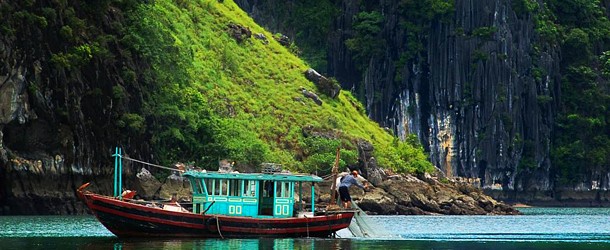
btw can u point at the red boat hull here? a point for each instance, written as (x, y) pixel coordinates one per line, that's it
(126, 219)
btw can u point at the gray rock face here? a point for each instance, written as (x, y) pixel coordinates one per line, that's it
(311, 95)
(14, 104)
(368, 164)
(262, 37)
(146, 185)
(175, 184)
(324, 84)
(238, 32)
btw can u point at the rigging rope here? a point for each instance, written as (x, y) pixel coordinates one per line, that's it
(153, 165)
(218, 227)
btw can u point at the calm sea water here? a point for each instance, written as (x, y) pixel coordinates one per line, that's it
(539, 228)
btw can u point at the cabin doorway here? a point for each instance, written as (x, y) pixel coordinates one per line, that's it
(266, 198)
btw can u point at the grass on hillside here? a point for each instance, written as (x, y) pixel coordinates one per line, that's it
(213, 97)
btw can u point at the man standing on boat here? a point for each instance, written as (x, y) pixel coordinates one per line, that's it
(346, 182)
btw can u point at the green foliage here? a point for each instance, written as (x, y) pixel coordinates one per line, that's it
(129, 76)
(581, 129)
(485, 33)
(479, 55)
(605, 64)
(28, 18)
(119, 93)
(578, 13)
(543, 99)
(538, 73)
(66, 33)
(416, 17)
(312, 23)
(134, 123)
(524, 7)
(404, 158)
(235, 141)
(577, 47)
(367, 41)
(49, 14)
(320, 155)
(547, 27)
(77, 57)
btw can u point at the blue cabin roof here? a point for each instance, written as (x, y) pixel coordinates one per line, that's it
(253, 176)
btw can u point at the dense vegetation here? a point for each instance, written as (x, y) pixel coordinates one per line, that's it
(581, 145)
(195, 93)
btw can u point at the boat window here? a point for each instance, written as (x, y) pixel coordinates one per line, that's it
(216, 187)
(209, 184)
(283, 189)
(223, 187)
(234, 187)
(199, 186)
(249, 188)
(268, 189)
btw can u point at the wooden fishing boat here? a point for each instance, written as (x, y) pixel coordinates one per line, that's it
(234, 205)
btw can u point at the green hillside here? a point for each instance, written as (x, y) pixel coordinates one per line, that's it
(194, 93)
(216, 97)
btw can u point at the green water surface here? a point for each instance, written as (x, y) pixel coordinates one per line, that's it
(538, 228)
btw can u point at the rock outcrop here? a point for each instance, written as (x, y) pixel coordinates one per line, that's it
(239, 32)
(410, 195)
(146, 185)
(311, 95)
(327, 86)
(178, 185)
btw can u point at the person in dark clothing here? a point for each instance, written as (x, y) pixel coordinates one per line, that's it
(346, 182)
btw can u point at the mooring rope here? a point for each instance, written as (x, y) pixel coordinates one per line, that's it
(307, 223)
(218, 227)
(155, 201)
(153, 165)
(327, 177)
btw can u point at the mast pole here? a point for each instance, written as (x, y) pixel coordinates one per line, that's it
(335, 172)
(120, 189)
(116, 170)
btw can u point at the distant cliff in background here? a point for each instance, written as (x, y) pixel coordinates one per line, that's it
(512, 92)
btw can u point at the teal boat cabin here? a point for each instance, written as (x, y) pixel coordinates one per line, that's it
(257, 195)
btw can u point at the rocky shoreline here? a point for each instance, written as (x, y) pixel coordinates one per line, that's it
(397, 195)
(424, 195)
(553, 198)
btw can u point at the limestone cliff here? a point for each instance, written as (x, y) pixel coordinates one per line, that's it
(481, 95)
(57, 122)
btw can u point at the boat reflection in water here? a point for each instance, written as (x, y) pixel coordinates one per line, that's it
(250, 244)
